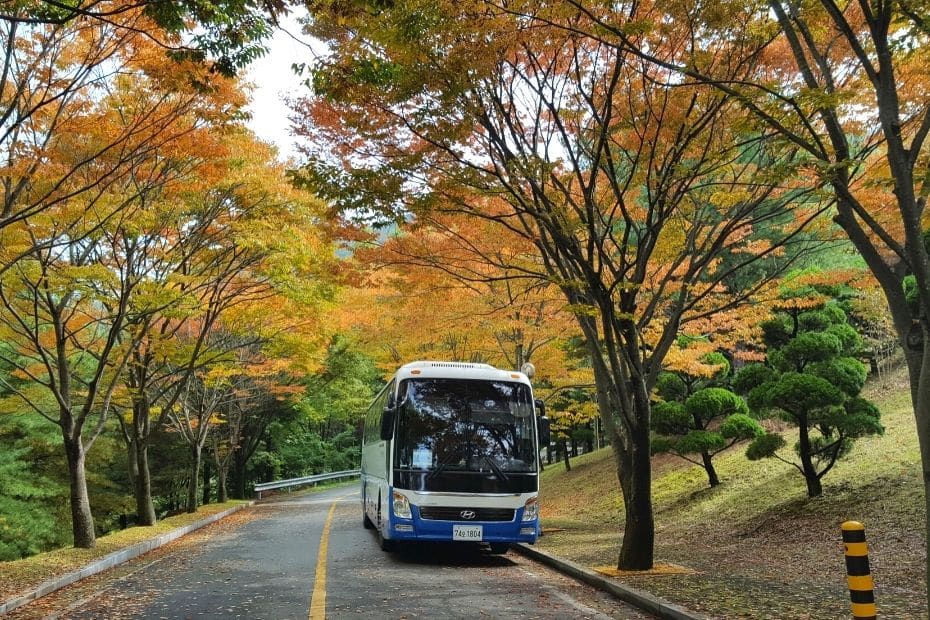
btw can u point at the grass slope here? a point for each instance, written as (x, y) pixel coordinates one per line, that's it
(759, 547)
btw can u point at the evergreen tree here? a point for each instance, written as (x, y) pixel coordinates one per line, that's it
(811, 380)
(698, 418)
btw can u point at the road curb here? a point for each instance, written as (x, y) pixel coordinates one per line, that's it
(643, 600)
(113, 559)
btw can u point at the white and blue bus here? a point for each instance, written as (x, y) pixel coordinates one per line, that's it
(450, 452)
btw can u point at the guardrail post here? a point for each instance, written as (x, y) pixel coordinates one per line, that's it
(861, 588)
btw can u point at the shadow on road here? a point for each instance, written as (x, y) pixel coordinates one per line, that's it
(448, 554)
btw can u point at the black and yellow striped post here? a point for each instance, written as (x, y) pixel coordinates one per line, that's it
(857, 571)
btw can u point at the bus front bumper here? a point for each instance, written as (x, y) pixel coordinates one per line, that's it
(420, 529)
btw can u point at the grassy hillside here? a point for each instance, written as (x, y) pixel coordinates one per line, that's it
(756, 546)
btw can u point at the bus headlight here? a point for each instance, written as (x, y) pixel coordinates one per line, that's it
(531, 509)
(401, 506)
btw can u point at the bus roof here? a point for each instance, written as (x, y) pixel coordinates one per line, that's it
(458, 370)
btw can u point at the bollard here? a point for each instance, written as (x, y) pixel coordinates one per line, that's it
(857, 571)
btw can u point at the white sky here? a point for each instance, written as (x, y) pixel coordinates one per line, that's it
(274, 80)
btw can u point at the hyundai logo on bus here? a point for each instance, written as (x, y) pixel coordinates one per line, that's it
(467, 514)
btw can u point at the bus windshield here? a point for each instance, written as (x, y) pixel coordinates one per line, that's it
(456, 427)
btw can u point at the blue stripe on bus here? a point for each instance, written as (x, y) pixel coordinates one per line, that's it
(492, 531)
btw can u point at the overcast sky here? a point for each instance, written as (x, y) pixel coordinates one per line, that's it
(274, 79)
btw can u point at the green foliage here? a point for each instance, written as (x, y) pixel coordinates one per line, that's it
(33, 498)
(849, 338)
(741, 426)
(845, 373)
(805, 348)
(764, 446)
(670, 418)
(700, 441)
(713, 402)
(670, 387)
(813, 383)
(797, 394)
(717, 358)
(912, 294)
(321, 434)
(752, 376)
(708, 421)
(230, 32)
(776, 332)
(862, 418)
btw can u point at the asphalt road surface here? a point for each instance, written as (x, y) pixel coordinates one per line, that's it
(265, 562)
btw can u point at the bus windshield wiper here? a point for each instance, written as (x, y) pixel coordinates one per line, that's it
(495, 468)
(441, 465)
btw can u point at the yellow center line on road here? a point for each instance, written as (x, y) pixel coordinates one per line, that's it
(318, 598)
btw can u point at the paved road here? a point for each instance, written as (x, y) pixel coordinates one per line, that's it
(264, 563)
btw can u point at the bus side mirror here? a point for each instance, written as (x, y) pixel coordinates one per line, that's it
(545, 433)
(387, 423)
(542, 423)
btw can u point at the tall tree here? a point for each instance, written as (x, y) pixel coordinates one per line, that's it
(629, 188)
(845, 84)
(247, 246)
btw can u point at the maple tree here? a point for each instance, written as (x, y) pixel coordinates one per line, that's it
(452, 289)
(83, 274)
(225, 35)
(248, 250)
(845, 84)
(628, 188)
(126, 220)
(72, 133)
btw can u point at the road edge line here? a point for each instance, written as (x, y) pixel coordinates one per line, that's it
(643, 600)
(113, 559)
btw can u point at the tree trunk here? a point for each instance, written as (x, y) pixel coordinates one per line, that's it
(239, 475)
(221, 494)
(709, 467)
(82, 520)
(568, 464)
(918, 366)
(814, 488)
(132, 464)
(139, 448)
(145, 507)
(635, 473)
(194, 482)
(207, 491)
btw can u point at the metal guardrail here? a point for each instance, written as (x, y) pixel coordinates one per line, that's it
(296, 482)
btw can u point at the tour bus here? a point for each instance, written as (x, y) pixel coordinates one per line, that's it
(450, 452)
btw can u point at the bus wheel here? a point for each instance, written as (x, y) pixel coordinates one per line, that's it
(386, 544)
(366, 522)
(499, 548)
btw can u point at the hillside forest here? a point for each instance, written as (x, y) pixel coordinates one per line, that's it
(704, 225)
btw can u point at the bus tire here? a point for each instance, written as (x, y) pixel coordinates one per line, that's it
(366, 522)
(499, 548)
(386, 544)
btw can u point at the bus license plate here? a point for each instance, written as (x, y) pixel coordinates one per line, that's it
(467, 532)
